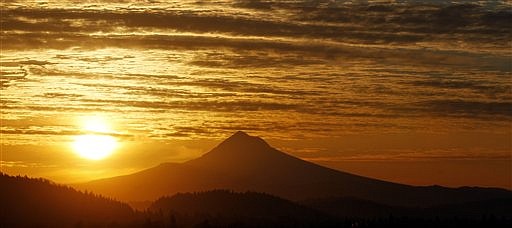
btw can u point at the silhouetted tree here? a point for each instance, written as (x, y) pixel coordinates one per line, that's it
(29, 201)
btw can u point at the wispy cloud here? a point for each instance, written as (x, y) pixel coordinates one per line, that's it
(292, 66)
(439, 155)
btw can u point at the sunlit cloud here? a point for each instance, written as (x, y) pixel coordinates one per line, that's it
(188, 70)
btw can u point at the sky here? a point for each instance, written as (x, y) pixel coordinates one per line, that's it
(416, 92)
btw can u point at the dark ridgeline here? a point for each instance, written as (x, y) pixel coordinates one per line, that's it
(227, 208)
(248, 163)
(30, 202)
(223, 208)
(346, 208)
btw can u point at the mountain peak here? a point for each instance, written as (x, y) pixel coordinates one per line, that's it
(240, 134)
(242, 140)
(239, 146)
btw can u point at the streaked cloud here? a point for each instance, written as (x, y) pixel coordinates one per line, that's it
(189, 70)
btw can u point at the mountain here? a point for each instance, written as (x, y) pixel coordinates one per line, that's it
(30, 202)
(248, 163)
(238, 209)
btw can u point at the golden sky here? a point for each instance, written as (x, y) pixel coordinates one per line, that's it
(416, 92)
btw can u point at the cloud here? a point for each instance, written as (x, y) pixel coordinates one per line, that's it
(482, 86)
(24, 164)
(254, 59)
(213, 106)
(438, 155)
(355, 23)
(318, 67)
(253, 4)
(61, 95)
(468, 108)
(53, 131)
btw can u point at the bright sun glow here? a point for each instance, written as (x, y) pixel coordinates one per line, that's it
(96, 124)
(94, 147)
(96, 144)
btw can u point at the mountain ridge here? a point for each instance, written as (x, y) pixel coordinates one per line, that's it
(38, 202)
(247, 163)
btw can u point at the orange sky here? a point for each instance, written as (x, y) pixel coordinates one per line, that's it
(420, 97)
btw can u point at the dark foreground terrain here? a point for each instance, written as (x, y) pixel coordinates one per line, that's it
(30, 202)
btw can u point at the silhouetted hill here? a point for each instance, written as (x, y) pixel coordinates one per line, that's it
(223, 208)
(29, 202)
(349, 207)
(499, 208)
(247, 163)
(345, 207)
(249, 209)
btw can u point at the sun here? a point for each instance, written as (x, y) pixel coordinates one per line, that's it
(97, 143)
(94, 147)
(96, 124)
